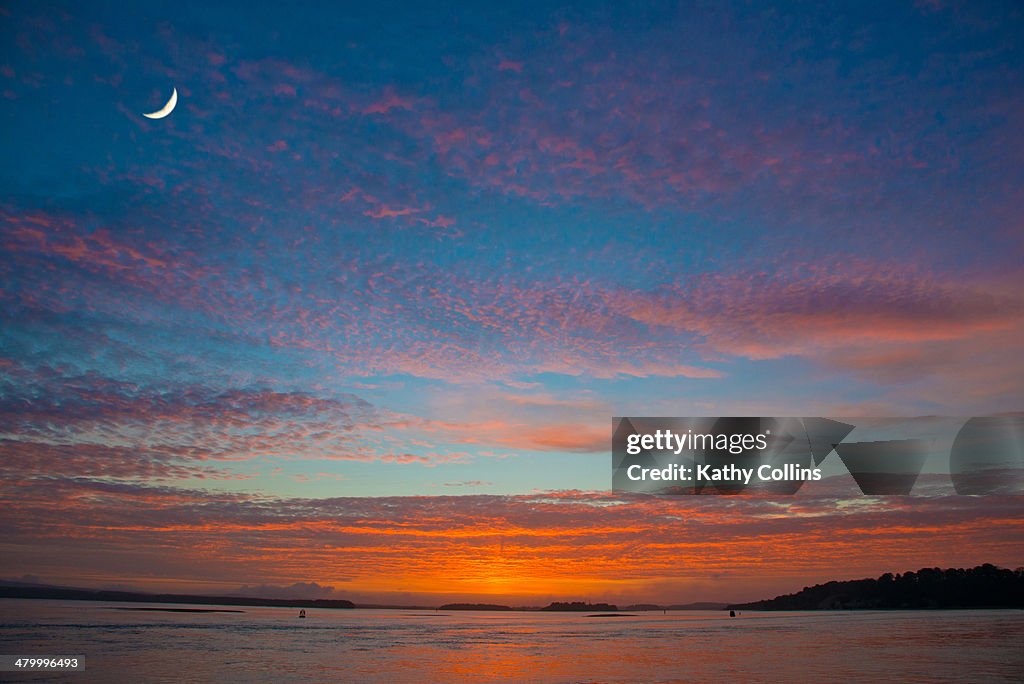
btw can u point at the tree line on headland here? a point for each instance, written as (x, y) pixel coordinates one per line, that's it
(985, 586)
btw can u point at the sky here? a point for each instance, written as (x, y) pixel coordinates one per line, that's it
(355, 318)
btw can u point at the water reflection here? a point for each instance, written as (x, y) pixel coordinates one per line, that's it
(271, 645)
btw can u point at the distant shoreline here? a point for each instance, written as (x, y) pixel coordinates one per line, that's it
(68, 594)
(285, 603)
(40, 592)
(982, 587)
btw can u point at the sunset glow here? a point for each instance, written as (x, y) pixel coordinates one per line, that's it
(353, 320)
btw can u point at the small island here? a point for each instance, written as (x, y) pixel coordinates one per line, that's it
(474, 606)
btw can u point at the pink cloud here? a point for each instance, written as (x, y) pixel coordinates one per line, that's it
(388, 102)
(523, 436)
(438, 222)
(384, 211)
(430, 459)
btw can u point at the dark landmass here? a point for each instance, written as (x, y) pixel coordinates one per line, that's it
(985, 586)
(580, 606)
(474, 606)
(182, 610)
(24, 591)
(611, 615)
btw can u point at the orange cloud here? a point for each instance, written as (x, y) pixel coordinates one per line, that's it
(527, 548)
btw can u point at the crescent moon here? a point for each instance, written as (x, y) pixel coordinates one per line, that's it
(166, 109)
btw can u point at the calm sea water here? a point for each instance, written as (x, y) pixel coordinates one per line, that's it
(273, 645)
